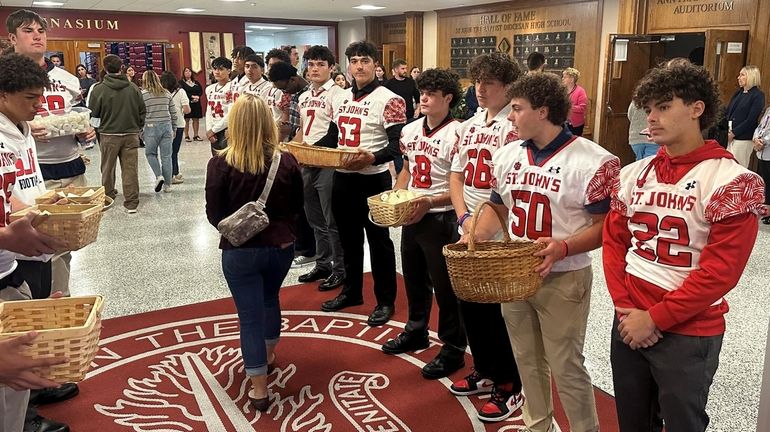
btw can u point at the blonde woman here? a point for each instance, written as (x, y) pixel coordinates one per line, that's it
(158, 129)
(578, 99)
(743, 114)
(255, 270)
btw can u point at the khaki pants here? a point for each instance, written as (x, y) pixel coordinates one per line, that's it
(547, 332)
(742, 150)
(13, 408)
(60, 264)
(125, 148)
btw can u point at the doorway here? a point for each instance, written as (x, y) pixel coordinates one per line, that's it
(630, 56)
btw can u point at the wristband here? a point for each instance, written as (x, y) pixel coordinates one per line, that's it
(565, 248)
(462, 219)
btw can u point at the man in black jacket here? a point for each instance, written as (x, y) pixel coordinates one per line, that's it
(403, 85)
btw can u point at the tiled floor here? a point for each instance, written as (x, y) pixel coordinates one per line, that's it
(166, 255)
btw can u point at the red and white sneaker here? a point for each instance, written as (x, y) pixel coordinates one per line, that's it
(471, 385)
(501, 405)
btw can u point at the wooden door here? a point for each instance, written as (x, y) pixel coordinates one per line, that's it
(391, 52)
(90, 54)
(66, 49)
(724, 57)
(621, 79)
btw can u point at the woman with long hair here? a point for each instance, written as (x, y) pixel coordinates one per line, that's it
(182, 106)
(380, 75)
(194, 91)
(85, 81)
(340, 80)
(158, 129)
(255, 270)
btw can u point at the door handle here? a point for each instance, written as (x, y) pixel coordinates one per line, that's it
(608, 109)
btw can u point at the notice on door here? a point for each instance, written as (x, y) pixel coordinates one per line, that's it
(734, 47)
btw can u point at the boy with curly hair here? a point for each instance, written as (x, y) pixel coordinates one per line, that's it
(477, 139)
(427, 146)
(680, 232)
(554, 188)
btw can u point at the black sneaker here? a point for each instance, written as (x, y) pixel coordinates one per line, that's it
(405, 342)
(471, 385)
(501, 405)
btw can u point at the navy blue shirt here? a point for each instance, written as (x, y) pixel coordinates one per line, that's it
(540, 155)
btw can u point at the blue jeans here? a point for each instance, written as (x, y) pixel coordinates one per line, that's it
(254, 276)
(175, 150)
(159, 137)
(644, 150)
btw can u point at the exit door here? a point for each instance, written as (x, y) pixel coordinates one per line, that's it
(391, 52)
(724, 57)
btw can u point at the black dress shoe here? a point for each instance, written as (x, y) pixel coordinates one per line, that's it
(331, 282)
(54, 394)
(380, 315)
(405, 342)
(445, 363)
(340, 302)
(766, 220)
(314, 275)
(42, 424)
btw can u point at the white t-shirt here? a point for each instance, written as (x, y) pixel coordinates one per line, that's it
(550, 199)
(476, 143)
(430, 157)
(63, 94)
(180, 99)
(362, 123)
(253, 88)
(316, 110)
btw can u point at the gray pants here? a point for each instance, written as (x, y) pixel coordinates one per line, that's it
(668, 382)
(13, 404)
(318, 209)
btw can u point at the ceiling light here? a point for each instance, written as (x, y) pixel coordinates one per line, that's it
(47, 3)
(248, 31)
(233, 0)
(190, 10)
(368, 7)
(260, 27)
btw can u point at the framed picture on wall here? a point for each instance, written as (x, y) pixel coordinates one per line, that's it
(211, 50)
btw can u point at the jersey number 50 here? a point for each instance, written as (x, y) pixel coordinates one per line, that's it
(532, 213)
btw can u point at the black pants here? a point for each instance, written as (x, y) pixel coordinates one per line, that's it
(490, 346)
(220, 143)
(37, 274)
(304, 245)
(425, 268)
(668, 382)
(349, 194)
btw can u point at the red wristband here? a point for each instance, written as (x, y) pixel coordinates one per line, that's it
(565, 248)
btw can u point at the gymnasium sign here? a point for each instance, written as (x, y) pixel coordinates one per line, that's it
(82, 24)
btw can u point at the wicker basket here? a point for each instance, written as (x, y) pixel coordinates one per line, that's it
(496, 271)
(96, 198)
(108, 202)
(385, 214)
(66, 327)
(320, 157)
(75, 224)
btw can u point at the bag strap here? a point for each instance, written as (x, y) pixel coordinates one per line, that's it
(270, 177)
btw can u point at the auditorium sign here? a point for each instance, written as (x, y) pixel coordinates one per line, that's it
(677, 14)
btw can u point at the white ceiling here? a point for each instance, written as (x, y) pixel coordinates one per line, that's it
(327, 10)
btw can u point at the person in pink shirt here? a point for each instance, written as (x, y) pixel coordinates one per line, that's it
(577, 97)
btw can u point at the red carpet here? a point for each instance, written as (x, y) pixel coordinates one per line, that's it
(180, 369)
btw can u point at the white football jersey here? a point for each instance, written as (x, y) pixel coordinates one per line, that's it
(276, 100)
(548, 200)
(219, 98)
(430, 157)
(63, 94)
(10, 136)
(316, 110)
(362, 123)
(247, 87)
(670, 223)
(475, 144)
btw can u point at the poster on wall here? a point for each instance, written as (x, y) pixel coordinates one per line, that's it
(464, 49)
(557, 47)
(212, 49)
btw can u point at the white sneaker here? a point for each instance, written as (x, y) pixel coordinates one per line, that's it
(302, 260)
(159, 183)
(167, 188)
(177, 179)
(130, 211)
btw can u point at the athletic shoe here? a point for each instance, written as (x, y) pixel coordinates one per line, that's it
(159, 184)
(177, 179)
(501, 404)
(302, 260)
(471, 385)
(167, 188)
(131, 211)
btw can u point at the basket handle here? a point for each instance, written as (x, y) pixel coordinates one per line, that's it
(474, 220)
